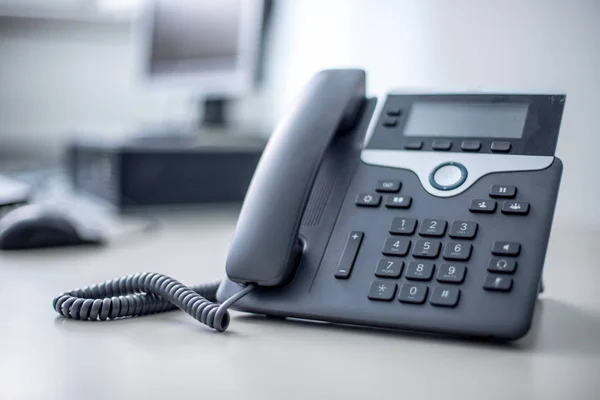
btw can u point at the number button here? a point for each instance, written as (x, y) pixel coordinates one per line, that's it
(403, 226)
(419, 271)
(463, 230)
(445, 296)
(388, 186)
(451, 273)
(414, 293)
(396, 247)
(382, 290)
(433, 227)
(426, 249)
(457, 251)
(368, 200)
(389, 268)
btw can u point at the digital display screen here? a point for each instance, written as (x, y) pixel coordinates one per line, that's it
(466, 119)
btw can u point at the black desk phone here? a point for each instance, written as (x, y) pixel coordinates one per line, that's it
(440, 223)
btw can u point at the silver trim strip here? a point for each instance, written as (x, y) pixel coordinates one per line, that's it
(422, 163)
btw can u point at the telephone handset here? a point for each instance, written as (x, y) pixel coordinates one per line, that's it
(439, 223)
(266, 247)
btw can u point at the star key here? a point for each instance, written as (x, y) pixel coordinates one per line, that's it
(382, 291)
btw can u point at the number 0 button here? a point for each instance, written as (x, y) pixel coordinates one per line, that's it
(457, 251)
(413, 293)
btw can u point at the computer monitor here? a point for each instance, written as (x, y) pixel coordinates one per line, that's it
(209, 48)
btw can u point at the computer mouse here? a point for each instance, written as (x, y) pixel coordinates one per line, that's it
(36, 226)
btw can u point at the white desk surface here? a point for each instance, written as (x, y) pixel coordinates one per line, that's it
(171, 356)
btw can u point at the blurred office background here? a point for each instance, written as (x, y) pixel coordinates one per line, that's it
(68, 65)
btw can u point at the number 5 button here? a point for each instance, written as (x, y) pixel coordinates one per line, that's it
(457, 251)
(463, 230)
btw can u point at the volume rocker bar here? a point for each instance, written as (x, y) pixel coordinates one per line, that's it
(349, 255)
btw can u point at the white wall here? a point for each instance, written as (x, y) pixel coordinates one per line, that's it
(56, 77)
(53, 80)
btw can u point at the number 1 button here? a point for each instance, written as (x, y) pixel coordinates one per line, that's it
(403, 226)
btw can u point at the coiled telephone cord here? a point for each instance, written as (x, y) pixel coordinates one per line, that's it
(147, 293)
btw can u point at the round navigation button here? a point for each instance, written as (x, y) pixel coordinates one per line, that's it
(448, 176)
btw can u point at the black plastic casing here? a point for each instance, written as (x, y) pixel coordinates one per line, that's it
(314, 293)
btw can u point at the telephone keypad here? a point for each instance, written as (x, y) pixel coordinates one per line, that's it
(463, 230)
(368, 200)
(388, 268)
(426, 249)
(445, 296)
(433, 227)
(451, 273)
(382, 290)
(408, 280)
(419, 271)
(396, 247)
(414, 293)
(457, 251)
(403, 226)
(398, 201)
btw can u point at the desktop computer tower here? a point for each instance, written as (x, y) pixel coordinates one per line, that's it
(164, 171)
